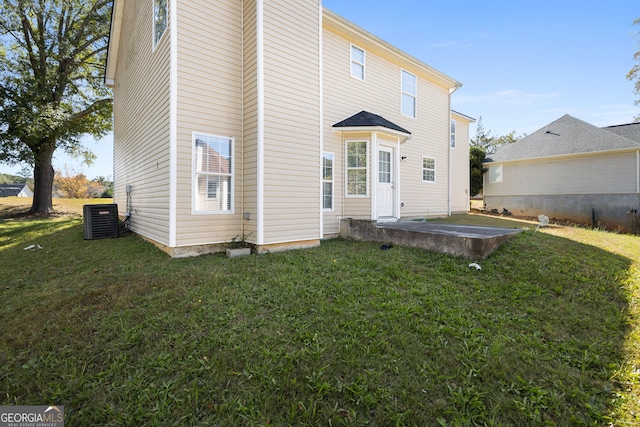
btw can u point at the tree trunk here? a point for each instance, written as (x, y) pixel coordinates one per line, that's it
(43, 174)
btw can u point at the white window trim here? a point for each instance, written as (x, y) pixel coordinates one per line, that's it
(363, 64)
(346, 170)
(491, 173)
(435, 170)
(332, 181)
(195, 173)
(166, 20)
(414, 95)
(452, 137)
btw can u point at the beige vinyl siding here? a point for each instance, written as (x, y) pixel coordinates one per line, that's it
(292, 173)
(141, 123)
(430, 138)
(250, 112)
(380, 94)
(593, 174)
(460, 167)
(209, 102)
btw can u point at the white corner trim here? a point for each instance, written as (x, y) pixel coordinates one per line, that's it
(173, 122)
(260, 130)
(638, 171)
(321, 123)
(373, 182)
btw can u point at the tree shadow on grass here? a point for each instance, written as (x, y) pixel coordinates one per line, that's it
(26, 228)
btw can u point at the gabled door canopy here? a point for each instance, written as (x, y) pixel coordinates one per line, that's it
(365, 121)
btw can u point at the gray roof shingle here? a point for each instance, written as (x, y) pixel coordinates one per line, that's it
(631, 131)
(11, 189)
(367, 119)
(567, 135)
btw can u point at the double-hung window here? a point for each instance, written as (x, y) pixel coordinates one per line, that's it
(428, 169)
(409, 94)
(357, 63)
(453, 133)
(213, 173)
(327, 181)
(357, 168)
(160, 18)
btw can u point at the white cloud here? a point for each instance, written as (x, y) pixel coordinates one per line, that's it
(608, 115)
(443, 45)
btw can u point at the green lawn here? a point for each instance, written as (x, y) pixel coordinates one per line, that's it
(344, 334)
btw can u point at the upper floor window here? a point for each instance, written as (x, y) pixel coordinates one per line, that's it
(428, 169)
(409, 93)
(160, 18)
(357, 63)
(453, 133)
(213, 173)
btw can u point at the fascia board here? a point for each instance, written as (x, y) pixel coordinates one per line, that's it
(563, 156)
(114, 41)
(366, 129)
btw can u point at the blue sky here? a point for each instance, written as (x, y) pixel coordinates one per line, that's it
(522, 64)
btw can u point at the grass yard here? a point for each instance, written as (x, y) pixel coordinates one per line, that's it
(547, 333)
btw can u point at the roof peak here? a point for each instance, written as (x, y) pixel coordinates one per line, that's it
(566, 136)
(366, 119)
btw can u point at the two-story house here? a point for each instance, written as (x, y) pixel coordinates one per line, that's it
(272, 121)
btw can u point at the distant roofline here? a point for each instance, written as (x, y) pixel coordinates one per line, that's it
(624, 124)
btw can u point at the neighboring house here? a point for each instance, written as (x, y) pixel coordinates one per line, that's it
(19, 190)
(271, 121)
(571, 170)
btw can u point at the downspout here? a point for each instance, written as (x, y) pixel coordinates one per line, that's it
(321, 102)
(173, 123)
(451, 90)
(242, 106)
(260, 120)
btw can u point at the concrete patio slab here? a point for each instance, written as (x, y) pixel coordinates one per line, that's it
(473, 242)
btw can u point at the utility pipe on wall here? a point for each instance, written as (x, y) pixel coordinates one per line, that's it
(451, 90)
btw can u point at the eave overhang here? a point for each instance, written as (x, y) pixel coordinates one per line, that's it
(114, 42)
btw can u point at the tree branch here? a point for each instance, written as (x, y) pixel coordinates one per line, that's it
(90, 109)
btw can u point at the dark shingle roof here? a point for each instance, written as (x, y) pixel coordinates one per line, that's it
(565, 136)
(367, 119)
(631, 131)
(11, 189)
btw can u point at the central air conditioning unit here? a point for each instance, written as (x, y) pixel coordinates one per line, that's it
(100, 221)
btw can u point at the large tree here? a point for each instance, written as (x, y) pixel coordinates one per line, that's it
(634, 73)
(476, 169)
(52, 59)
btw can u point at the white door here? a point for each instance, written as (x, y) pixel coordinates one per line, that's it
(385, 191)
